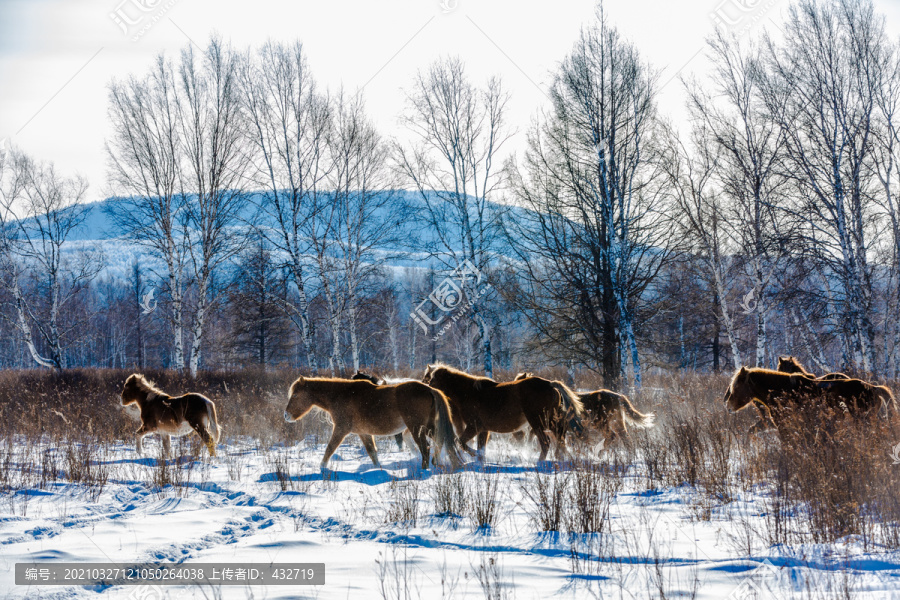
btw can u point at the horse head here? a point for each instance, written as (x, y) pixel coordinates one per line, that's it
(738, 395)
(131, 391)
(789, 364)
(429, 374)
(299, 402)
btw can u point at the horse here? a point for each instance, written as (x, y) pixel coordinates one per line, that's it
(171, 416)
(789, 364)
(608, 412)
(366, 409)
(361, 376)
(481, 405)
(778, 396)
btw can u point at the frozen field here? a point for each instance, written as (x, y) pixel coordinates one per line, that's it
(399, 532)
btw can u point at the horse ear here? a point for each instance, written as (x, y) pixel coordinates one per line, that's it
(743, 372)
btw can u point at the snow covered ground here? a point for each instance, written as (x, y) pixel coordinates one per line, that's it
(380, 534)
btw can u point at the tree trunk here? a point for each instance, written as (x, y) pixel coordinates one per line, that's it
(199, 323)
(306, 332)
(726, 320)
(177, 319)
(25, 329)
(761, 340)
(485, 345)
(354, 341)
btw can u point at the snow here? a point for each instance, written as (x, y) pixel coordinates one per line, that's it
(232, 508)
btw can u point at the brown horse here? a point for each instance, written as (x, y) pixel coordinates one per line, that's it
(367, 410)
(789, 364)
(778, 396)
(481, 405)
(611, 413)
(171, 416)
(361, 376)
(608, 412)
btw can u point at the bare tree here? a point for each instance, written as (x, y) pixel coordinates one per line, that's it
(144, 168)
(366, 212)
(593, 238)
(691, 172)
(460, 130)
(39, 212)
(289, 125)
(212, 170)
(887, 169)
(748, 168)
(820, 88)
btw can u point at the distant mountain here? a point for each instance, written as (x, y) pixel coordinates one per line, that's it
(410, 250)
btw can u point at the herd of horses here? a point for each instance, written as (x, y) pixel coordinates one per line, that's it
(449, 408)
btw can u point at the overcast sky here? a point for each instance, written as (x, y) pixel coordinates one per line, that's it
(57, 56)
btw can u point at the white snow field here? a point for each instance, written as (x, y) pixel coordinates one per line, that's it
(381, 533)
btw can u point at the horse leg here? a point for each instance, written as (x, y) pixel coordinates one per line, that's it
(760, 426)
(337, 436)
(537, 427)
(399, 438)
(622, 429)
(421, 439)
(561, 451)
(205, 436)
(468, 433)
(483, 438)
(167, 444)
(368, 443)
(765, 421)
(139, 438)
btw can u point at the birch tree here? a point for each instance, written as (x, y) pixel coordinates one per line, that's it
(212, 170)
(749, 167)
(692, 173)
(144, 161)
(39, 212)
(459, 130)
(368, 215)
(887, 170)
(820, 88)
(289, 124)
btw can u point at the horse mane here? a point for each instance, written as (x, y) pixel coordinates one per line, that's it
(301, 381)
(477, 380)
(145, 385)
(767, 371)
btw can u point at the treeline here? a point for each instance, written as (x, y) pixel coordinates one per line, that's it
(274, 215)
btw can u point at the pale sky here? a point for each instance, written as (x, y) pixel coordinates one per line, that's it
(57, 56)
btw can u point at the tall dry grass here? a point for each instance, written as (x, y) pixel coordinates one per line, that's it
(816, 488)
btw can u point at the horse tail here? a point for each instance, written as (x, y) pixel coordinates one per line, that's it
(213, 425)
(888, 402)
(635, 417)
(572, 404)
(444, 435)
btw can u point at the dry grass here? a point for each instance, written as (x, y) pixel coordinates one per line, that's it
(819, 488)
